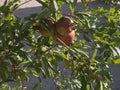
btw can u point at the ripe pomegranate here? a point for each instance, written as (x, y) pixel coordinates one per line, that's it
(66, 39)
(65, 25)
(43, 31)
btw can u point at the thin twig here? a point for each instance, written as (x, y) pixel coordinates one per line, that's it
(24, 3)
(73, 51)
(7, 80)
(38, 57)
(63, 43)
(47, 50)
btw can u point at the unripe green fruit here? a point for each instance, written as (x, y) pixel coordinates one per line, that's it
(65, 25)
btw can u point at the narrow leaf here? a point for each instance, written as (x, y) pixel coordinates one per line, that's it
(116, 61)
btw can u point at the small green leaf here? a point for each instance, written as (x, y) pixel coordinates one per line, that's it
(101, 85)
(61, 54)
(112, 10)
(43, 3)
(87, 38)
(116, 61)
(100, 39)
(33, 72)
(117, 33)
(85, 3)
(94, 55)
(81, 52)
(43, 72)
(43, 14)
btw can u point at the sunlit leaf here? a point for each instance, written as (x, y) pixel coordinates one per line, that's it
(116, 61)
(93, 58)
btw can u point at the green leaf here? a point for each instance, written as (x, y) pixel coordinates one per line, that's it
(88, 87)
(117, 33)
(116, 61)
(43, 73)
(94, 55)
(44, 13)
(5, 2)
(99, 39)
(34, 87)
(54, 8)
(112, 10)
(101, 85)
(86, 37)
(84, 83)
(44, 25)
(67, 64)
(33, 72)
(3, 40)
(72, 5)
(43, 3)
(81, 52)
(115, 42)
(61, 54)
(115, 50)
(46, 68)
(85, 3)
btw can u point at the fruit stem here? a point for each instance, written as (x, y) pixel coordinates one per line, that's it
(73, 51)
(62, 42)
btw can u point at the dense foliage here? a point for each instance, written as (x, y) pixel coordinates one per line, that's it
(25, 52)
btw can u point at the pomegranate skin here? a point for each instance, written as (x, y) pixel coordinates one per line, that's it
(65, 25)
(66, 39)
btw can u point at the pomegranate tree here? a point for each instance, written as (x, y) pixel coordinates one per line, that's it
(23, 53)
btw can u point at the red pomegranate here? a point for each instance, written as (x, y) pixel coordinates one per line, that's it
(65, 25)
(66, 39)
